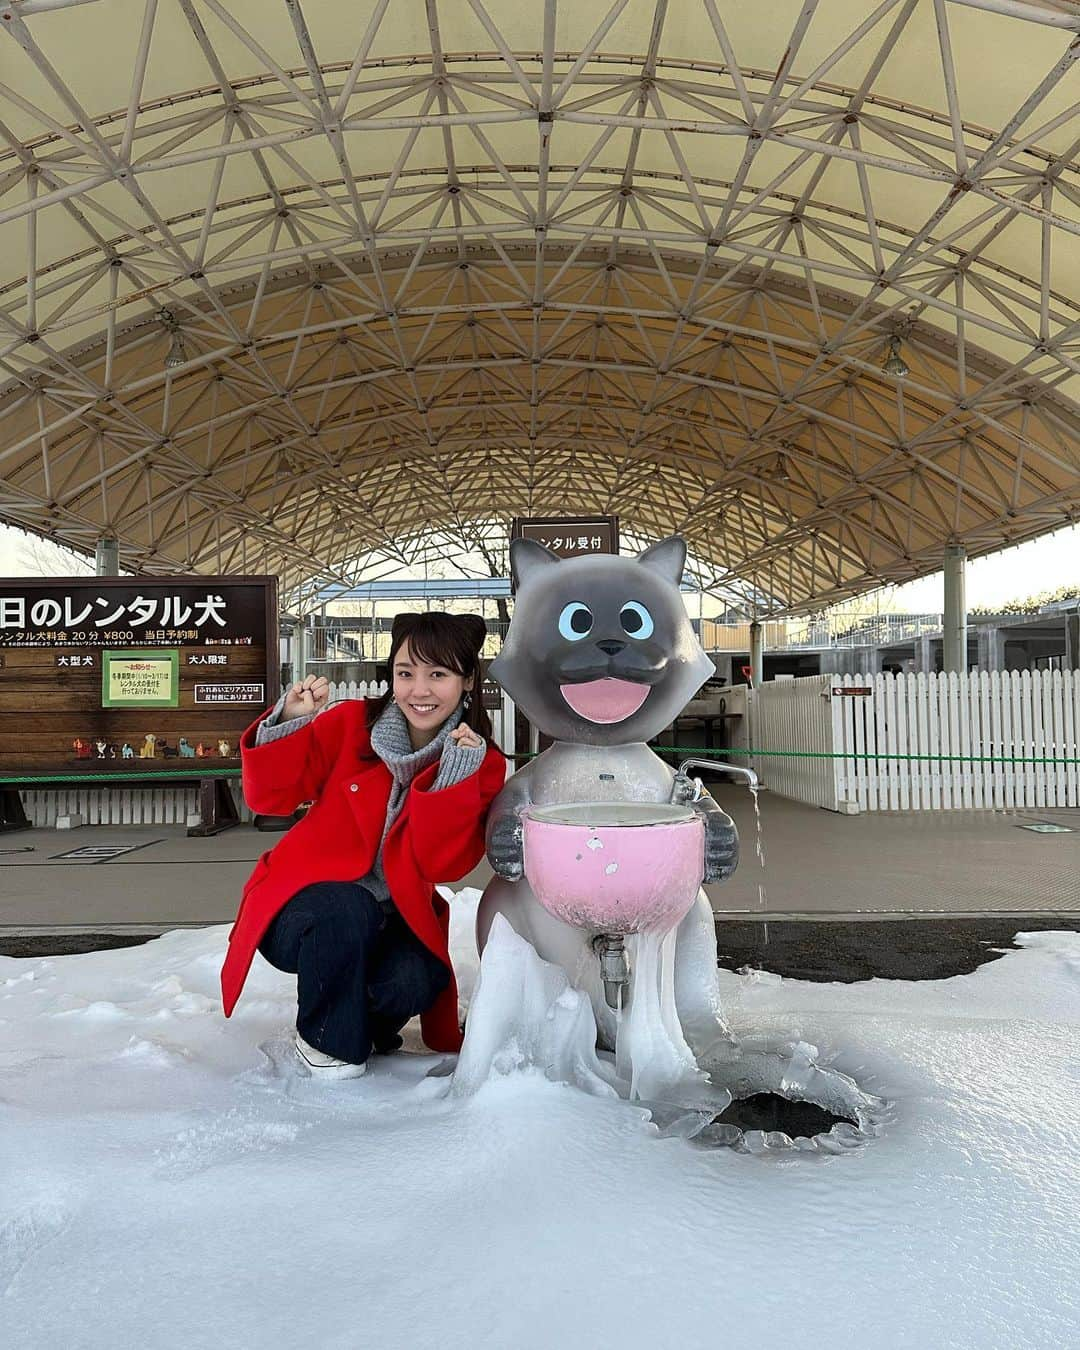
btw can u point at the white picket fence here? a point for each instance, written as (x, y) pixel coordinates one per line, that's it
(988, 739)
(119, 804)
(794, 715)
(985, 740)
(361, 689)
(352, 689)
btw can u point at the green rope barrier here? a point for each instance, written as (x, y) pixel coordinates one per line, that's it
(685, 750)
(89, 779)
(681, 750)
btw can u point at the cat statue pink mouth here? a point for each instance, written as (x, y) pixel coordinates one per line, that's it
(607, 700)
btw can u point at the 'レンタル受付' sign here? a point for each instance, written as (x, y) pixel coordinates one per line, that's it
(569, 536)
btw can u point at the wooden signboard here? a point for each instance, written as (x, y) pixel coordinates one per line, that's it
(569, 536)
(132, 674)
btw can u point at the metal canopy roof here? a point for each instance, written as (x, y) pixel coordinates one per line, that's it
(419, 267)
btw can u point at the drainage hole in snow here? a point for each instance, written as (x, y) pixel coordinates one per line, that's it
(769, 1111)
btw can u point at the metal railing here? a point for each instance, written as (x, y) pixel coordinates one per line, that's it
(807, 634)
(364, 639)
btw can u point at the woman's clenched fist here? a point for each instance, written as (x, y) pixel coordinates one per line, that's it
(309, 695)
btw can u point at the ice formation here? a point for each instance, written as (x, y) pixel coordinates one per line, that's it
(651, 1053)
(525, 1014)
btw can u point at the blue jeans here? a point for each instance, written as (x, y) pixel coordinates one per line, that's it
(360, 973)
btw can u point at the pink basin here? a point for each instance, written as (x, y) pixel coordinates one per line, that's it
(614, 867)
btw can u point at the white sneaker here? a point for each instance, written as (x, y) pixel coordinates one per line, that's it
(326, 1066)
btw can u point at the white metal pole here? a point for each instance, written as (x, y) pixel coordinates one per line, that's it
(1017, 9)
(757, 654)
(954, 634)
(300, 639)
(107, 558)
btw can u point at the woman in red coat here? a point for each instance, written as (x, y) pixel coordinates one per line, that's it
(346, 900)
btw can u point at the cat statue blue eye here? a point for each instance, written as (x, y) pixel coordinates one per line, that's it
(575, 621)
(601, 656)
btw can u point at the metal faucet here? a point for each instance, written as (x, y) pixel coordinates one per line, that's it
(687, 789)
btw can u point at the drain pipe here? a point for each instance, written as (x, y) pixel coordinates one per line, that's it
(614, 968)
(107, 558)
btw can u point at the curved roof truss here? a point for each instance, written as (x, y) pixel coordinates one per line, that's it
(290, 290)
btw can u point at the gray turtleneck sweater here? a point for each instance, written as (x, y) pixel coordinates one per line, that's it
(390, 741)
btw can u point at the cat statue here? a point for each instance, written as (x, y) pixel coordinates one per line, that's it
(601, 656)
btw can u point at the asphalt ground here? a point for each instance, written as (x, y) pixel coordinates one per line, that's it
(895, 949)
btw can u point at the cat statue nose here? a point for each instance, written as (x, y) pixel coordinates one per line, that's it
(611, 647)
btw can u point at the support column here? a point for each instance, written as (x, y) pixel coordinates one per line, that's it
(955, 618)
(320, 644)
(1072, 639)
(757, 654)
(300, 649)
(991, 642)
(107, 558)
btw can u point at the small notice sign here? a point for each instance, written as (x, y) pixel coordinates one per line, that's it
(852, 691)
(230, 693)
(568, 536)
(140, 679)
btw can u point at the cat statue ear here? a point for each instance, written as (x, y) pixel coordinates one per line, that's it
(527, 558)
(667, 556)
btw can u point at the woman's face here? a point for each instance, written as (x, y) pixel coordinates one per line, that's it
(426, 694)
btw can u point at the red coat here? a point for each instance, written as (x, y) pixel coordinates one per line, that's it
(437, 836)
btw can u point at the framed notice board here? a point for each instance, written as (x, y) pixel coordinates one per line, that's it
(142, 679)
(105, 673)
(569, 536)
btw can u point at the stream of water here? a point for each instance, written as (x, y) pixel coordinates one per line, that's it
(759, 849)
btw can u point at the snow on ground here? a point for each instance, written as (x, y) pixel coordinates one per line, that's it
(168, 1179)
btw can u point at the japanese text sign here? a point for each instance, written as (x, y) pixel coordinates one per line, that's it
(139, 680)
(569, 536)
(82, 613)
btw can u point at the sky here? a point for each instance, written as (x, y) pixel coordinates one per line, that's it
(1013, 574)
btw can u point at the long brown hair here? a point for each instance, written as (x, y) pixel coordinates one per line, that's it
(449, 640)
